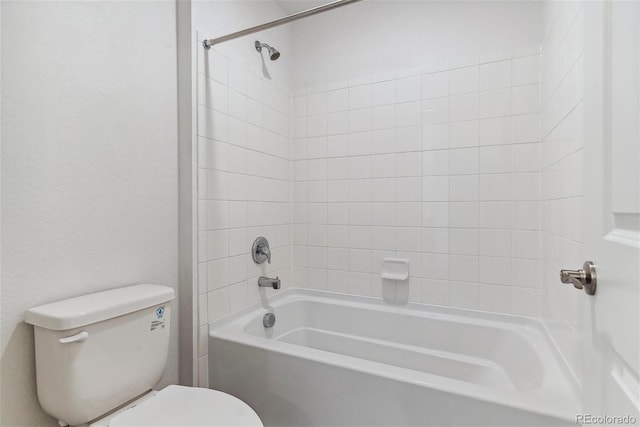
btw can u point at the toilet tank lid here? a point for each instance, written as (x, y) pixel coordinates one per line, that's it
(87, 309)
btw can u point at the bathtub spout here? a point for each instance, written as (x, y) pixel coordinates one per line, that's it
(268, 282)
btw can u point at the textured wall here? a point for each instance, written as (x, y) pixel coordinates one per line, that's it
(89, 166)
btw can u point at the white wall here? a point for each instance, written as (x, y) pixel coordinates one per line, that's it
(379, 36)
(562, 173)
(89, 171)
(243, 145)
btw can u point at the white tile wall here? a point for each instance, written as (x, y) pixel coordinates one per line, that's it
(440, 167)
(244, 177)
(561, 172)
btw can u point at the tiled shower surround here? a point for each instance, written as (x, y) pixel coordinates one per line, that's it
(438, 166)
(243, 188)
(561, 168)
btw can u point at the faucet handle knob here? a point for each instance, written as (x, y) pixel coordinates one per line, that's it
(260, 251)
(266, 251)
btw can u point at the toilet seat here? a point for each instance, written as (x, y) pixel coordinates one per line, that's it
(180, 406)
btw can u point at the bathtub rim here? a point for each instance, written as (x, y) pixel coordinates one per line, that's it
(226, 328)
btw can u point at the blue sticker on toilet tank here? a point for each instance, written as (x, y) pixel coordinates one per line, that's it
(158, 323)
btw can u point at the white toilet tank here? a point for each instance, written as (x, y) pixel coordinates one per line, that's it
(98, 351)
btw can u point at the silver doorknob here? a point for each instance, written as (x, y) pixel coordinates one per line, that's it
(581, 279)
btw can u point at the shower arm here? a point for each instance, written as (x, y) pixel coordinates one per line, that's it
(305, 13)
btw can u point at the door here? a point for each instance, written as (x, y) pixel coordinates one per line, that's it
(612, 207)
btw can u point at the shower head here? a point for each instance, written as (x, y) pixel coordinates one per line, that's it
(273, 52)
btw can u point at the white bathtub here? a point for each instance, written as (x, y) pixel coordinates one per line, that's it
(339, 360)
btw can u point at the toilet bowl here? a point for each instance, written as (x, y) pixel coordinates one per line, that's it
(99, 356)
(180, 406)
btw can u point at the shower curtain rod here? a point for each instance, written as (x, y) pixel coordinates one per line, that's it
(294, 17)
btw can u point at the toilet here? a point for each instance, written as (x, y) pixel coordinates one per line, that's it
(98, 357)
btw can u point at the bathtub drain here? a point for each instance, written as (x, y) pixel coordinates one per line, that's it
(269, 320)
